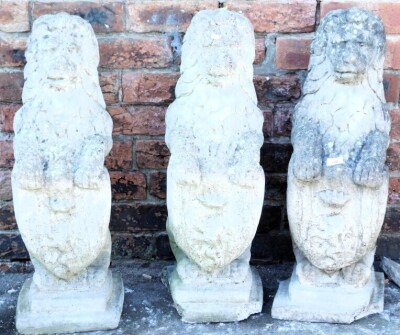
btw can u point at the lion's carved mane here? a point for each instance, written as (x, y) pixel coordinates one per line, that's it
(63, 105)
(326, 101)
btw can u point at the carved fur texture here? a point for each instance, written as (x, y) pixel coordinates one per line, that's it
(214, 132)
(337, 183)
(61, 189)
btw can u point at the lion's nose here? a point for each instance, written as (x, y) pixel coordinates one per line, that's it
(222, 65)
(61, 65)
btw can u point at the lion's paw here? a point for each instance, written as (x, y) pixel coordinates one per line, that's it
(307, 167)
(368, 173)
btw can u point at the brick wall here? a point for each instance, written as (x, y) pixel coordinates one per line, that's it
(140, 50)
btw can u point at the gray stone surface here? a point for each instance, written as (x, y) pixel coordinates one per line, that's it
(296, 301)
(391, 269)
(70, 311)
(149, 310)
(215, 302)
(215, 184)
(337, 177)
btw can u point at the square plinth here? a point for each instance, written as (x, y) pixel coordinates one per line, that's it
(68, 312)
(215, 302)
(319, 307)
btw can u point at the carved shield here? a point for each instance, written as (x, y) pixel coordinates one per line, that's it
(334, 222)
(65, 231)
(214, 222)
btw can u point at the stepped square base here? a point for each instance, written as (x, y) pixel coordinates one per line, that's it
(215, 302)
(70, 311)
(295, 301)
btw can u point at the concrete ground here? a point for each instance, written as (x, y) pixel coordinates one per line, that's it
(148, 308)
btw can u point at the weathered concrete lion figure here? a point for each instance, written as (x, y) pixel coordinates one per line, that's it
(215, 183)
(338, 180)
(61, 189)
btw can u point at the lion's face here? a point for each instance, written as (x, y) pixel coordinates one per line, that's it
(62, 51)
(350, 52)
(59, 61)
(218, 49)
(220, 56)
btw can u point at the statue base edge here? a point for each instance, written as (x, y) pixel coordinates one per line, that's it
(220, 310)
(284, 308)
(61, 321)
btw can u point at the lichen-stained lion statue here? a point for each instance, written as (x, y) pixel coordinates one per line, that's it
(214, 132)
(338, 180)
(62, 134)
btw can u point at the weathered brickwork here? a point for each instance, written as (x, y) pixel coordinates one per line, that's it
(140, 45)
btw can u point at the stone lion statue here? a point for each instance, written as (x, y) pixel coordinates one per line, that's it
(337, 178)
(61, 189)
(340, 136)
(215, 185)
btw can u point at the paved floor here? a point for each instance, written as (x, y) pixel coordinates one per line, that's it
(148, 309)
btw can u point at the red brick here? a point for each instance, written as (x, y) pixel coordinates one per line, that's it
(395, 129)
(260, 50)
(283, 16)
(275, 191)
(119, 53)
(152, 154)
(104, 18)
(148, 87)
(7, 217)
(265, 15)
(12, 51)
(128, 217)
(275, 157)
(11, 86)
(12, 247)
(14, 16)
(158, 184)
(121, 156)
(110, 86)
(392, 60)
(162, 16)
(163, 246)
(394, 190)
(268, 125)
(391, 84)
(6, 153)
(388, 11)
(271, 89)
(126, 245)
(292, 53)
(128, 185)
(5, 185)
(283, 112)
(7, 113)
(138, 120)
(395, 121)
(393, 157)
(392, 220)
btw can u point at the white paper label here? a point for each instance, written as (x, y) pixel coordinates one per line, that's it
(331, 161)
